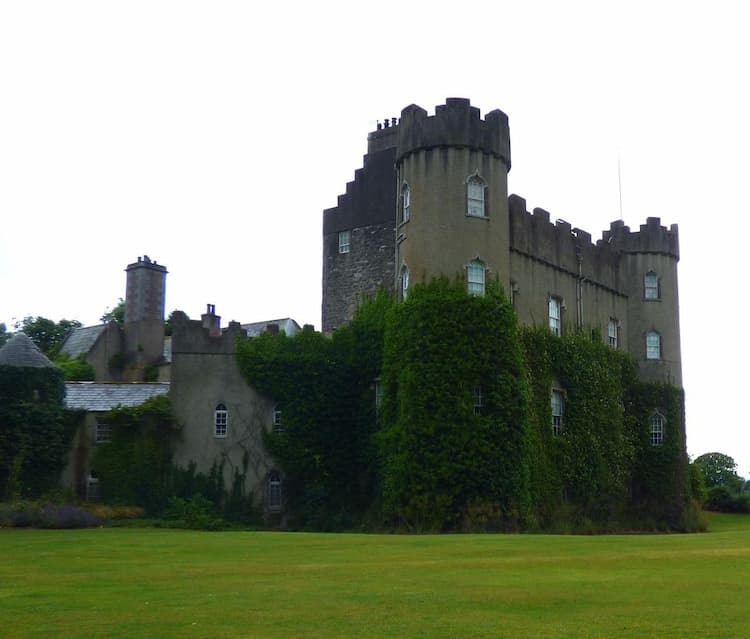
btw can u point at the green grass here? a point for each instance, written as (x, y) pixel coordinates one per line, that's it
(116, 582)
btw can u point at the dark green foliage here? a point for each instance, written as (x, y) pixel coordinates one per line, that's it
(46, 334)
(196, 512)
(26, 514)
(725, 500)
(134, 468)
(4, 334)
(444, 466)
(325, 390)
(76, 369)
(35, 431)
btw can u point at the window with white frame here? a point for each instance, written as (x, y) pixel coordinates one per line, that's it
(475, 190)
(475, 276)
(653, 345)
(405, 203)
(556, 400)
(657, 429)
(103, 433)
(221, 419)
(92, 487)
(345, 241)
(612, 329)
(478, 400)
(651, 286)
(273, 488)
(278, 427)
(555, 315)
(404, 282)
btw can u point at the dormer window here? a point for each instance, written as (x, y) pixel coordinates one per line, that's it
(475, 192)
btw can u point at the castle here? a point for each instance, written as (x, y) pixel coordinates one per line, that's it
(432, 199)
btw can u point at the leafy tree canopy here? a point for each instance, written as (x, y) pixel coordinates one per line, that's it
(719, 470)
(45, 333)
(115, 314)
(4, 334)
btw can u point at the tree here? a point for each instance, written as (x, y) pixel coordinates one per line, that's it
(115, 314)
(45, 333)
(4, 334)
(719, 470)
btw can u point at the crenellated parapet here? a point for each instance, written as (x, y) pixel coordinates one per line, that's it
(455, 124)
(204, 336)
(651, 238)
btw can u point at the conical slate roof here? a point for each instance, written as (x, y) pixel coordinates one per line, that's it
(20, 351)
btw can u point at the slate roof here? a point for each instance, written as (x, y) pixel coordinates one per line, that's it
(288, 325)
(100, 397)
(20, 351)
(81, 340)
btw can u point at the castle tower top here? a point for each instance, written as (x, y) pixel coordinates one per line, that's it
(455, 124)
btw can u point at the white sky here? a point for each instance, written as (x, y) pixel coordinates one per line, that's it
(211, 135)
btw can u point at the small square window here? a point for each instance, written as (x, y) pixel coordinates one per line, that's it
(345, 241)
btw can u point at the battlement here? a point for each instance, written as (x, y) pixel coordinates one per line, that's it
(651, 238)
(455, 123)
(203, 336)
(146, 262)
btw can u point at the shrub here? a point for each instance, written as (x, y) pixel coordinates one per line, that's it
(31, 514)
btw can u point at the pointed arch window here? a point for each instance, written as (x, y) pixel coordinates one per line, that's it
(405, 203)
(475, 277)
(656, 426)
(653, 345)
(651, 286)
(221, 420)
(404, 282)
(475, 196)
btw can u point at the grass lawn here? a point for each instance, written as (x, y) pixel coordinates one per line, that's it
(116, 582)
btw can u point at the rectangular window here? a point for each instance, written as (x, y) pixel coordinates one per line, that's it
(478, 400)
(221, 418)
(612, 328)
(345, 240)
(406, 204)
(557, 412)
(657, 430)
(651, 286)
(475, 198)
(103, 432)
(475, 276)
(555, 316)
(278, 427)
(653, 345)
(378, 395)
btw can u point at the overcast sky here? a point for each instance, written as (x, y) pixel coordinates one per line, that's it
(211, 135)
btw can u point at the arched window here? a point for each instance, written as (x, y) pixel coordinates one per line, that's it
(651, 286)
(657, 429)
(475, 190)
(273, 488)
(653, 345)
(475, 272)
(221, 419)
(404, 282)
(405, 203)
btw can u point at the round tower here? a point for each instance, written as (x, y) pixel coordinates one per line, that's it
(649, 276)
(452, 193)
